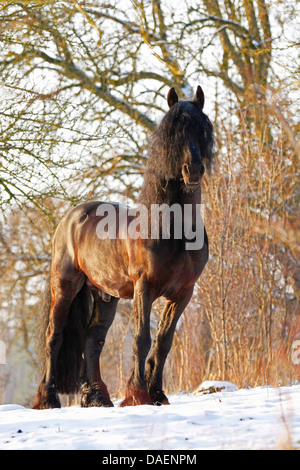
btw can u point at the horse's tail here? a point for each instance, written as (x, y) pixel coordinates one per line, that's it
(42, 325)
(69, 366)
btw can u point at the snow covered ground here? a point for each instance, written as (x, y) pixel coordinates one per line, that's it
(258, 418)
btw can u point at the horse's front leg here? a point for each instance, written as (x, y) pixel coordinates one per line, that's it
(136, 390)
(162, 346)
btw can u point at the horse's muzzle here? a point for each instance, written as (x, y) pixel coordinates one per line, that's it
(192, 175)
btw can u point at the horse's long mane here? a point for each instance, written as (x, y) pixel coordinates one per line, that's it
(184, 121)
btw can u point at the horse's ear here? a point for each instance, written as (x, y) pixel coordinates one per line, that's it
(172, 97)
(199, 97)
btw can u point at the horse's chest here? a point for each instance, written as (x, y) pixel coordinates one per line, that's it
(175, 275)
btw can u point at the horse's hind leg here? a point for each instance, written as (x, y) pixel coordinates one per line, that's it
(62, 295)
(94, 390)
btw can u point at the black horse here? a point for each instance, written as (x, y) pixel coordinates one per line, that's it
(92, 269)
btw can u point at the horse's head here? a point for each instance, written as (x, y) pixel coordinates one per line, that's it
(180, 149)
(192, 135)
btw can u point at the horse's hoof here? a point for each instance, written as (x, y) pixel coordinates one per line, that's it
(159, 398)
(45, 403)
(137, 397)
(95, 395)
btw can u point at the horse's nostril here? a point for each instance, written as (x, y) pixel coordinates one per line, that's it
(186, 169)
(192, 174)
(186, 173)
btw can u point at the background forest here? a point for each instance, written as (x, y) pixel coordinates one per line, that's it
(83, 84)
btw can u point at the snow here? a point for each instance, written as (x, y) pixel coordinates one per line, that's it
(254, 418)
(210, 386)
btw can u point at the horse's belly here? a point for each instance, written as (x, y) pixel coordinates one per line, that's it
(122, 290)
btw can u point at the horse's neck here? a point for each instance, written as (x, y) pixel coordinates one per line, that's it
(168, 192)
(191, 197)
(178, 194)
(169, 196)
